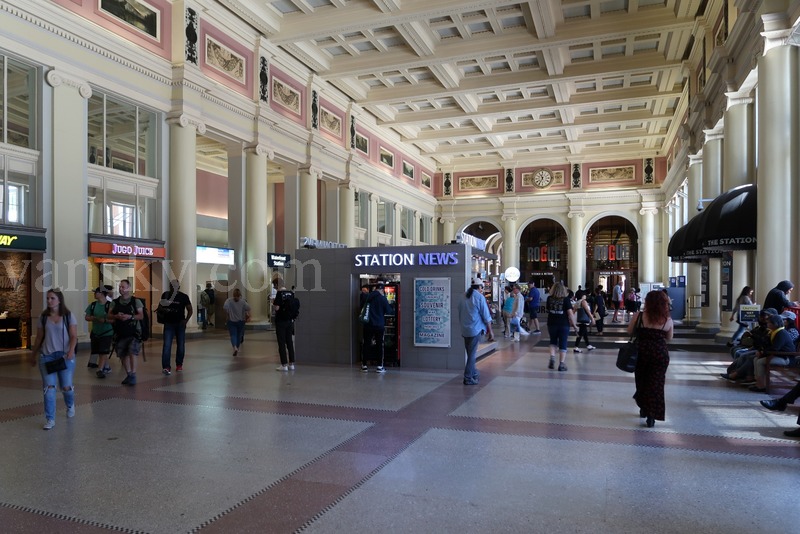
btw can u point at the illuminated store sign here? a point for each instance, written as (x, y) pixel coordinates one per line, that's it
(612, 252)
(543, 253)
(22, 242)
(406, 259)
(310, 242)
(128, 250)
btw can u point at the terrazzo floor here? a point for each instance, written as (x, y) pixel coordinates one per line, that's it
(231, 445)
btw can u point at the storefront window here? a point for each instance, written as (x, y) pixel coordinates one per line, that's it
(543, 254)
(122, 136)
(17, 103)
(121, 213)
(385, 216)
(406, 224)
(17, 195)
(362, 209)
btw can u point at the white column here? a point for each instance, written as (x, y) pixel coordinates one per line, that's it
(647, 246)
(577, 251)
(308, 202)
(347, 214)
(415, 239)
(69, 186)
(182, 241)
(256, 220)
(510, 243)
(694, 194)
(237, 211)
(712, 181)
(448, 229)
(777, 169)
(397, 225)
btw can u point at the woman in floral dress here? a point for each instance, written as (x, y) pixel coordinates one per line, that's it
(651, 366)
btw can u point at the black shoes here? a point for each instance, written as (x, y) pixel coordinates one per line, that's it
(774, 404)
(650, 422)
(792, 433)
(642, 414)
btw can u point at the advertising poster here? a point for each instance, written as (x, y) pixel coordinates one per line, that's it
(432, 312)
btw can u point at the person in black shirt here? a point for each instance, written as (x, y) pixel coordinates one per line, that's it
(284, 328)
(375, 327)
(177, 311)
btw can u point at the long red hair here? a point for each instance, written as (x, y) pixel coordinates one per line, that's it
(656, 305)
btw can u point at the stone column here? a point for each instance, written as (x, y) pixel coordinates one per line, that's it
(308, 202)
(510, 242)
(577, 251)
(237, 211)
(739, 169)
(448, 229)
(712, 182)
(695, 184)
(647, 246)
(67, 221)
(257, 274)
(182, 240)
(347, 214)
(778, 133)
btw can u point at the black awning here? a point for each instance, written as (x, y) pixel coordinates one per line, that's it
(729, 222)
(684, 246)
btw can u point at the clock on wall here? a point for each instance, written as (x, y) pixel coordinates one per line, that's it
(542, 178)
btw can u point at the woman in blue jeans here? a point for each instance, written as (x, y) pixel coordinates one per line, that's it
(744, 300)
(559, 320)
(56, 337)
(238, 311)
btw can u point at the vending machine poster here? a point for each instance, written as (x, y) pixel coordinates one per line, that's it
(432, 312)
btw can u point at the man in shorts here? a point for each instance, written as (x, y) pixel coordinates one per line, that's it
(127, 313)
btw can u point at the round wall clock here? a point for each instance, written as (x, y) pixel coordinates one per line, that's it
(543, 178)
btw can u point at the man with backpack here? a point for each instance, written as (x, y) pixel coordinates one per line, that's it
(102, 333)
(287, 309)
(127, 313)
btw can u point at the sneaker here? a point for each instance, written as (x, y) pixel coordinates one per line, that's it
(50, 423)
(774, 404)
(179, 368)
(552, 364)
(100, 374)
(92, 365)
(562, 367)
(380, 370)
(291, 367)
(235, 352)
(537, 332)
(166, 371)
(470, 382)
(132, 379)
(126, 380)
(106, 370)
(590, 347)
(71, 411)
(364, 369)
(576, 349)
(282, 368)
(791, 433)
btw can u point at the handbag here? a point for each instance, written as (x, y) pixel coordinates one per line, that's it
(55, 365)
(363, 316)
(629, 352)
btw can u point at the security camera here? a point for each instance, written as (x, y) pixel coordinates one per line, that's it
(699, 205)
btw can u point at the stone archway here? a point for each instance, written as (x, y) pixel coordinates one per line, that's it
(543, 252)
(612, 253)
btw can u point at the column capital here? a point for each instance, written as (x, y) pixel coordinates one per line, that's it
(417, 214)
(313, 171)
(648, 211)
(348, 185)
(185, 120)
(398, 207)
(260, 150)
(56, 78)
(505, 218)
(714, 135)
(576, 215)
(737, 99)
(374, 197)
(695, 159)
(445, 220)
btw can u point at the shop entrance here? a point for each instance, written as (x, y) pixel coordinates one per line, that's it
(391, 335)
(612, 254)
(543, 253)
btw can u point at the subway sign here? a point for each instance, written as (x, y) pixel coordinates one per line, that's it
(22, 242)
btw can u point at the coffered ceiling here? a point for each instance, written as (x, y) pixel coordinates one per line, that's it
(476, 84)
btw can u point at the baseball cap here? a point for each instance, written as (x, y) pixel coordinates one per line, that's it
(789, 315)
(476, 281)
(101, 289)
(769, 311)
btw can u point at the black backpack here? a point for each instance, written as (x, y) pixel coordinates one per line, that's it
(129, 328)
(291, 304)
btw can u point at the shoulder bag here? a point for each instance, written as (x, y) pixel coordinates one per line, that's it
(629, 352)
(59, 364)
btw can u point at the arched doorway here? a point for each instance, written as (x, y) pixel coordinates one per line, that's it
(543, 253)
(612, 253)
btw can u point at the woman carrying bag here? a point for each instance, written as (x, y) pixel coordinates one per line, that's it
(584, 319)
(655, 330)
(56, 338)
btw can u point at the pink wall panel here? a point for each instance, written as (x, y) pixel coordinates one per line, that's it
(328, 130)
(243, 85)
(300, 116)
(160, 44)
